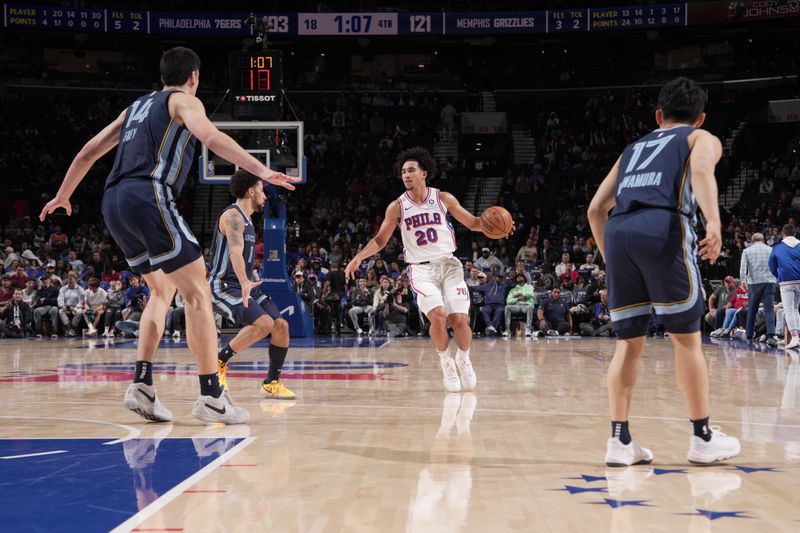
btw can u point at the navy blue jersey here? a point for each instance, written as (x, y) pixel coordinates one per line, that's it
(654, 173)
(152, 146)
(221, 267)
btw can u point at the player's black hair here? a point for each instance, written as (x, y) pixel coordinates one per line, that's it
(789, 230)
(241, 181)
(682, 100)
(423, 158)
(177, 64)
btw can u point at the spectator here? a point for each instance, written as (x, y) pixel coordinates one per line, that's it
(589, 268)
(19, 278)
(476, 300)
(520, 269)
(520, 300)
(528, 253)
(135, 291)
(562, 266)
(569, 276)
(395, 316)
(554, 316)
(18, 318)
(75, 263)
(734, 307)
(361, 300)
(179, 317)
(46, 304)
(6, 290)
(486, 261)
(754, 269)
(549, 255)
(94, 304)
(473, 280)
(379, 299)
(115, 302)
(338, 286)
(494, 303)
(784, 264)
(600, 325)
(717, 302)
(29, 293)
(70, 304)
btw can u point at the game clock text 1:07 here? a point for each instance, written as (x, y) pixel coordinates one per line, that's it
(348, 23)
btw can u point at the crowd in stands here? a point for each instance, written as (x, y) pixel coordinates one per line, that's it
(547, 278)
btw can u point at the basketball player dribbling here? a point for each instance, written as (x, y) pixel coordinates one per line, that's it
(436, 276)
(156, 141)
(649, 246)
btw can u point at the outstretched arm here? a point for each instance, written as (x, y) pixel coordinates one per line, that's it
(455, 208)
(390, 220)
(604, 200)
(97, 147)
(189, 110)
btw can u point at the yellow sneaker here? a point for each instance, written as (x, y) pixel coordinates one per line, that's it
(222, 370)
(277, 391)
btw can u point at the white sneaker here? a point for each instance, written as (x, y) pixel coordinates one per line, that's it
(142, 400)
(209, 409)
(491, 331)
(719, 448)
(716, 333)
(92, 330)
(794, 343)
(506, 333)
(528, 332)
(633, 453)
(450, 379)
(176, 335)
(359, 331)
(468, 377)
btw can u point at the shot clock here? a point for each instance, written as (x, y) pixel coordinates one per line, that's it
(256, 82)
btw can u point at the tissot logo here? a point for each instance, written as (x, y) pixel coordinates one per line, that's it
(260, 98)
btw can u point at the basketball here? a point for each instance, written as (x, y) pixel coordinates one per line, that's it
(496, 222)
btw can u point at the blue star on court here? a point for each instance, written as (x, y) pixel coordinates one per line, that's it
(578, 490)
(588, 478)
(751, 469)
(615, 504)
(713, 515)
(662, 471)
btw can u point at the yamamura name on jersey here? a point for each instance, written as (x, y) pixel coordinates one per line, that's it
(645, 179)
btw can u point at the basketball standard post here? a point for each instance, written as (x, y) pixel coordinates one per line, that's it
(279, 145)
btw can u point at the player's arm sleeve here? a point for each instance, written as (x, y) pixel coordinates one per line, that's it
(470, 221)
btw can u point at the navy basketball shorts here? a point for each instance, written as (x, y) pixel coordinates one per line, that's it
(143, 220)
(651, 266)
(227, 299)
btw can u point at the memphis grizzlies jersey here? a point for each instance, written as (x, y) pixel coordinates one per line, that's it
(654, 173)
(426, 232)
(221, 267)
(152, 146)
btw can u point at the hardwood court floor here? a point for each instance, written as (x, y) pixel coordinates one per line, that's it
(373, 443)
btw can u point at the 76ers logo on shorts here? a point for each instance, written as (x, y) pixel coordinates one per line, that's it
(461, 291)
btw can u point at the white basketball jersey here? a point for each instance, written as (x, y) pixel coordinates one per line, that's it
(426, 232)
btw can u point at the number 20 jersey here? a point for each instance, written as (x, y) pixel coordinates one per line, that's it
(654, 172)
(426, 232)
(152, 146)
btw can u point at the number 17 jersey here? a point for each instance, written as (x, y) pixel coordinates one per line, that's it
(654, 172)
(427, 234)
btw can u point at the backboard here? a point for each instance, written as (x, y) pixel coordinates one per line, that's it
(279, 145)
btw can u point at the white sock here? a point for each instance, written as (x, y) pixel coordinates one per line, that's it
(461, 354)
(443, 354)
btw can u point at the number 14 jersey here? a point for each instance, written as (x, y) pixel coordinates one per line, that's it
(427, 233)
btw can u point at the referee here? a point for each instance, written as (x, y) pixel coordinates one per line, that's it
(754, 269)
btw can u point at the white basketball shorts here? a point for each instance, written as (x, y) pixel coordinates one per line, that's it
(440, 283)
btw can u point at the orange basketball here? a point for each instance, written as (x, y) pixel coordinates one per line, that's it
(496, 222)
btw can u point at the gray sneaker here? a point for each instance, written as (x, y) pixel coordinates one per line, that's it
(142, 400)
(209, 409)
